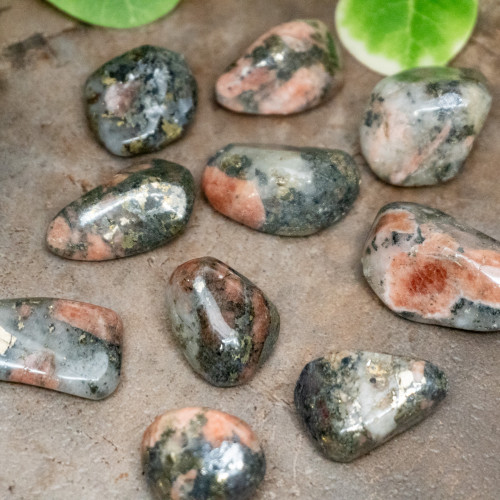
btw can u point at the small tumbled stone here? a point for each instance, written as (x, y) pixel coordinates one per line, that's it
(202, 454)
(292, 67)
(63, 345)
(420, 124)
(139, 209)
(141, 101)
(353, 401)
(225, 326)
(281, 190)
(427, 267)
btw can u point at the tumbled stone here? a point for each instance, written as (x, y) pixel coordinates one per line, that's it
(292, 67)
(427, 267)
(420, 124)
(139, 209)
(225, 326)
(280, 189)
(353, 401)
(141, 101)
(67, 346)
(202, 454)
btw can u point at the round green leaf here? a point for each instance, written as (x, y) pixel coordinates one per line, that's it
(116, 13)
(389, 36)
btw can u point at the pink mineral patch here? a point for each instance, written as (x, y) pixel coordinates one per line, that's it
(39, 369)
(98, 249)
(59, 234)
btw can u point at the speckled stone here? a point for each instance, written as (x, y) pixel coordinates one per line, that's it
(139, 209)
(427, 267)
(292, 67)
(225, 326)
(141, 101)
(67, 346)
(280, 189)
(420, 124)
(202, 454)
(353, 401)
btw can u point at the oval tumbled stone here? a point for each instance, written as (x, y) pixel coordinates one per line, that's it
(225, 326)
(353, 401)
(141, 208)
(420, 124)
(200, 453)
(141, 101)
(427, 267)
(280, 189)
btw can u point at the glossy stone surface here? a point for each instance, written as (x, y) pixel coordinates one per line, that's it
(139, 209)
(292, 67)
(67, 346)
(141, 101)
(420, 124)
(427, 267)
(353, 401)
(280, 189)
(225, 326)
(202, 454)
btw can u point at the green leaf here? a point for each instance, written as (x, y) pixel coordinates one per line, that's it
(116, 13)
(389, 36)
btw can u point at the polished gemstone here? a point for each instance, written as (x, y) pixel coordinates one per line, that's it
(225, 326)
(67, 346)
(139, 209)
(202, 454)
(427, 267)
(141, 101)
(279, 189)
(291, 68)
(353, 401)
(420, 124)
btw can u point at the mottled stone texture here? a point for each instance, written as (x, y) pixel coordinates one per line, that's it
(420, 124)
(225, 326)
(67, 346)
(139, 209)
(202, 454)
(292, 67)
(281, 189)
(427, 267)
(141, 101)
(353, 401)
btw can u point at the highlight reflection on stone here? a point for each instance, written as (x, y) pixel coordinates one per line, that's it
(427, 267)
(225, 326)
(139, 209)
(202, 454)
(353, 401)
(67, 346)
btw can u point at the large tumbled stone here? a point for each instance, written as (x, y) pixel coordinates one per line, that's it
(420, 124)
(353, 401)
(280, 189)
(292, 67)
(141, 101)
(199, 453)
(427, 267)
(67, 346)
(225, 326)
(139, 209)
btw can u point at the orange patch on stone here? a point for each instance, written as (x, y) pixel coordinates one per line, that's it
(178, 486)
(59, 234)
(396, 220)
(98, 249)
(39, 369)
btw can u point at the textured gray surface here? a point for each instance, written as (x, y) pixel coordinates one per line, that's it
(55, 446)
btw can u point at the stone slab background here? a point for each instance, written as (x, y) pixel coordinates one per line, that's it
(53, 446)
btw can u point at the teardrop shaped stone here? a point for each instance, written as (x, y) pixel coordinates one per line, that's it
(281, 189)
(141, 101)
(67, 346)
(139, 209)
(292, 67)
(427, 267)
(200, 453)
(420, 124)
(225, 326)
(353, 401)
